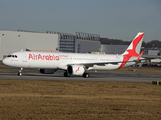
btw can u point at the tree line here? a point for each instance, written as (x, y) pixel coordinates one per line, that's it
(151, 44)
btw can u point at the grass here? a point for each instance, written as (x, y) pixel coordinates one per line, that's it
(29, 99)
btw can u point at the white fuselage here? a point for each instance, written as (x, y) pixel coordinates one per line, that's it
(51, 60)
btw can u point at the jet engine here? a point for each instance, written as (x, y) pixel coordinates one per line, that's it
(76, 69)
(47, 71)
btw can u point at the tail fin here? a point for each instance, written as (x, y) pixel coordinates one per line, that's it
(135, 46)
(133, 50)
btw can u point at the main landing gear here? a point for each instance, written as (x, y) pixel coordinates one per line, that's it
(66, 74)
(20, 72)
(86, 75)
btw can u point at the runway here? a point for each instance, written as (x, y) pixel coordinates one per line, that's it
(124, 75)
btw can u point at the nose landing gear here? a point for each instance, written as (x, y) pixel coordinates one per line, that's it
(20, 72)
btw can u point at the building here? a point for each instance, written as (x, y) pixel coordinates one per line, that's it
(86, 42)
(66, 43)
(11, 41)
(113, 49)
(78, 43)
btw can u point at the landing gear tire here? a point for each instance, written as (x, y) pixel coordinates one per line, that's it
(19, 74)
(66, 74)
(86, 75)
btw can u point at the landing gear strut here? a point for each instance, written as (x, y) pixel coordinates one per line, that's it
(20, 72)
(86, 75)
(66, 74)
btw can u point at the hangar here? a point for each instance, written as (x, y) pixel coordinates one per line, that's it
(78, 43)
(11, 41)
(113, 49)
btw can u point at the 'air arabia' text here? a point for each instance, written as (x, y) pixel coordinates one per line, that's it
(43, 57)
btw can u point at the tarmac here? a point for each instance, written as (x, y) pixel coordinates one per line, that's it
(123, 75)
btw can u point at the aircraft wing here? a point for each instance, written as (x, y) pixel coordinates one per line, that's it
(101, 63)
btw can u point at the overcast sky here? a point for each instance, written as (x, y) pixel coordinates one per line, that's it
(118, 19)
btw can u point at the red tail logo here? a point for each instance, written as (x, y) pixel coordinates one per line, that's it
(131, 52)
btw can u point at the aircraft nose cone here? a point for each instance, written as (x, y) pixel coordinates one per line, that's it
(4, 61)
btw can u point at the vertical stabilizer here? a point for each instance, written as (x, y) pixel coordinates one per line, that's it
(133, 50)
(135, 46)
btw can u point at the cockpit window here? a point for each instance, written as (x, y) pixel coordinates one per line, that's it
(8, 55)
(14, 56)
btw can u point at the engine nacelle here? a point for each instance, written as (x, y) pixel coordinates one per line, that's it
(47, 71)
(76, 69)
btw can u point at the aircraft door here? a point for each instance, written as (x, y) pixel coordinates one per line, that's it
(24, 57)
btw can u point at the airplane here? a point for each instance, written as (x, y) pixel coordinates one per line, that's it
(75, 63)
